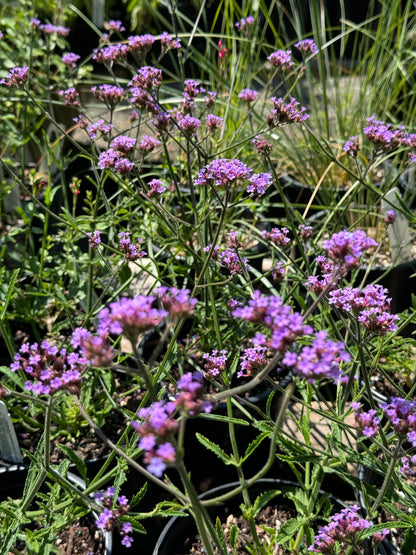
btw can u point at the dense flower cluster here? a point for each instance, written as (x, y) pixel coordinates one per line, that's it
(110, 94)
(285, 325)
(156, 188)
(99, 126)
(177, 302)
(248, 95)
(281, 59)
(131, 317)
(245, 24)
(215, 362)
(112, 53)
(346, 247)
(70, 97)
(367, 422)
(117, 156)
(131, 251)
(95, 349)
(402, 416)
(94, 238)
(382, 135)
(370, 305)
(307, 46)
(49, 368)
(158, 424)
(320, 360)
(16, 77)
(252, 360)
(344, 529)
(70, 59)
(223, 173)
(278, 236)
(286, 113)
(352, 146)
(115, 507)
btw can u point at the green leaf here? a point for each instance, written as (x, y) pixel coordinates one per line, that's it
(261, 501)
(137, 497)
(253, 445)
(233, 537)
(76, 459)
(220, 533)
(9, 292)
(288, 530)
(220, 418)
(208, 444)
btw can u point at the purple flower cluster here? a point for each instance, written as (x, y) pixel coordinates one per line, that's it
(281, 59)
(245, 25)
(223, 173)
(215, 363)
(167, 42)
(99, 126)
(328, 276)
(109, 94)
(176, 302)
(402, 416)
(344, 529)
(285, 325)
(390, 217)
(115, 507)
(231, 260)
(131, 317)
(346, 247)
(305, 231)
(248, 95)
(278, 236)
(370, 305)
(16, 77)
(158, 423)
(50, 369)
(259, 183)
(382, 135)
(320, 360)
(131, 251)
(156, 188)
(114, 25)
(189, 125)
(70, 96)
(263, 147)
(111, 53)
(94, 239)
(307, 46)
(50, 29)
(352, 146)
(140, 44)
(285, 113)
(408, 467)
(278, 272)
(70, 59)
(252, 360)
(214, 122)
(117, 156)
(95, 349)
(147, 144)
(367, 422)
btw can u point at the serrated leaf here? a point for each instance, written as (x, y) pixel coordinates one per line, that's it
(220, 532)
(264, 499)
(253, 445)
(211, 446)
(288, 530)
(75, 459)
(233, 536)
(137, 497)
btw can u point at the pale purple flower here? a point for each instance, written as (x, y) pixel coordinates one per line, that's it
(259, 183)
(123, 144)
(223, 173)
(320, 360)
(58, 30)
(245, 24)
(232, 261)
(382, 136)
(252, 360)
(281, 59)
(305, 231)
(111, 53)
(307, 46)
(94, 238)
(189, 125)
(367, 422)
(402, 416)
(70, 96)
(262, 145)
(352, 147)
(114, 25)
(278, 272)
(248, 95)
(176, 302)
(390, 217)
(70, 59)
(17, 77)
(156, 188)
(210, 99)
(214, 122)
(147, 144)
(99, 126)
(168, 42)
(346, 247)
(278, 236)
(140, 44)
(215, 362)
(147, 78)
(109, 94)
(286, 113)
(131, 251)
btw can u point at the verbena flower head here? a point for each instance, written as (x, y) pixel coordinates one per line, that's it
(262, 145)
(17, 77)
(112, 53)
(245, 25)
(147, 144)
(50, 369)
(259, 183)
(346, 247)
(70, 59)
(305, 231)
(223, 173)
(402, 416)
(70, 96)
(140, 44)
(214, 122)
(114, 25)
(344, 529)
(320, 360)
(285, 325)
(95, 349)
(110, 94)
(176, 302)
(281, 59)
(390, 216)
(189, 125)
(99, 126)
(382, 135)
(115, 507)
(252, 360)
(94, 238)
(156, 188)
(248, 95)
(278, 236)
(215, 362)
(168, 42)
(367, 422)
(131, 317)
(131, 251)
(352, 146)
(58, 30)
(307, 46)
(286, 113)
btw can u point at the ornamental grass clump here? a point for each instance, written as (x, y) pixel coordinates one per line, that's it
(133, 293)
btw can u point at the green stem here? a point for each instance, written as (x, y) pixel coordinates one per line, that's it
(387, 480)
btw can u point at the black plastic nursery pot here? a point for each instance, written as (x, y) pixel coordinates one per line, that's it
(12, 483)
(179, 532)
